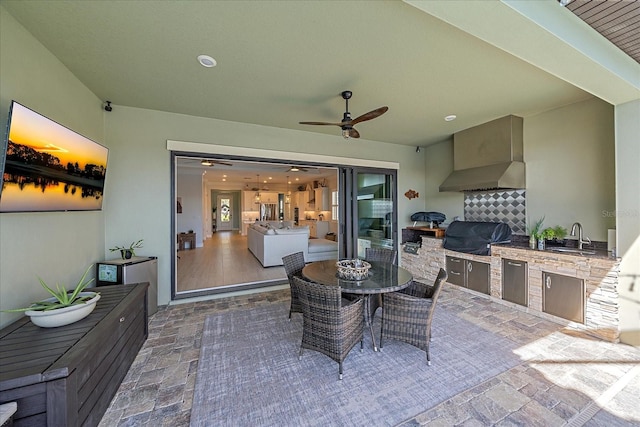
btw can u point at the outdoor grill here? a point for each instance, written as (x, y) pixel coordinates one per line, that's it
(475, 237)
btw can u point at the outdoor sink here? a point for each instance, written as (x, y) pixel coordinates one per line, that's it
(573, 251)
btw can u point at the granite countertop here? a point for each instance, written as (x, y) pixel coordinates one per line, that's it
(588, 252)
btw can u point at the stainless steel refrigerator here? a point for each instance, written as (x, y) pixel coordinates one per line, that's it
(133, 270)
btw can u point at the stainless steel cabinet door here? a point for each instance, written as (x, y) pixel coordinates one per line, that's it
(563, 296)
(478, 276)
(456, 269)
(514, 282)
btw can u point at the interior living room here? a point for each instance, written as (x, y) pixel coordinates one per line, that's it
(254, 192)
(239, 82)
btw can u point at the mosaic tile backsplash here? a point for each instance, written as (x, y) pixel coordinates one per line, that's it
(506, 206)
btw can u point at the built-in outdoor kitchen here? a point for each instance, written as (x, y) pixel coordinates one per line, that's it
(572, 281)
(577, 288)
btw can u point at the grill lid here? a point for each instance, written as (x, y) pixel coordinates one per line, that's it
(475, 237)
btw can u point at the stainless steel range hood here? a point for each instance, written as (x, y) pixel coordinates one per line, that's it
(488, 157)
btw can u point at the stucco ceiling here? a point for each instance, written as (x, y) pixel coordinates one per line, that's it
(281, 62)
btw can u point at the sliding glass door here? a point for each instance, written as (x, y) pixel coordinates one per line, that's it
(368, 217)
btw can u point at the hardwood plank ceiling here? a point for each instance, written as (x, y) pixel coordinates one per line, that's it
(617, 20)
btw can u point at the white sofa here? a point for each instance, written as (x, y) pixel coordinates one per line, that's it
(269, 242)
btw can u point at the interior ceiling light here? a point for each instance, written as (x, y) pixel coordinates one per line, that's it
(294, 169)
(450, 117)
(257, 196)
(207, 61)
(287, 198)
(206, 162)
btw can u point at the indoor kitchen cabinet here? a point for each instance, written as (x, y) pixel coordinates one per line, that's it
(268, 197)
(469, 274)
(322, 199)
(301, 200)
(248, 201)
(563, 296)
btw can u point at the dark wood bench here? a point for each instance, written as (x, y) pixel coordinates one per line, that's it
(67, 376)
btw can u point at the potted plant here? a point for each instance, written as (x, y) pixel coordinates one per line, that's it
(534, 231)
(542, 237)
(554, 236)
(127, 253)
(64, 307)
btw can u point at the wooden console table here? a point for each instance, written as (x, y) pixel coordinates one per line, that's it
(186, 238)
(67, 376)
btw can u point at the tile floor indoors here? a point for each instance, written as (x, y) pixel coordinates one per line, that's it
(565, 378)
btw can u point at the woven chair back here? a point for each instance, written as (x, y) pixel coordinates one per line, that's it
(380, 255)
(437, 287)
(293, 264)
(320, 302)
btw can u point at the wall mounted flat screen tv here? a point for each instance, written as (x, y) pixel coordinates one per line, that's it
(48, 167)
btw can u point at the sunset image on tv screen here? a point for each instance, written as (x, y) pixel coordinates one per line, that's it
(49, 167)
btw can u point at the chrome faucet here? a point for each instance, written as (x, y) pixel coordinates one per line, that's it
(581, 240)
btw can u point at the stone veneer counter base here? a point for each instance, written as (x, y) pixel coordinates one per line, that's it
(600, 275)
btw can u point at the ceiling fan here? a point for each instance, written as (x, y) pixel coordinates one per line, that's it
(347, 122)
(211, 162)
(299, 169)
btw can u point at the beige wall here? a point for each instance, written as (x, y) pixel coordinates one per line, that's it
(570, 161)
(439, 166)
(55, 246)
(570, 167)
(628, 218)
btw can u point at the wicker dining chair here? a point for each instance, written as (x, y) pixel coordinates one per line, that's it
(378, 255)
(408, 314)
(293, 265)
(331, 325)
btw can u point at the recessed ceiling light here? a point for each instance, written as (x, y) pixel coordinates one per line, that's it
(207, 61)
(450, 117)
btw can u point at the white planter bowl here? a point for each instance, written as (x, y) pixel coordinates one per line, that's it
(64, 316)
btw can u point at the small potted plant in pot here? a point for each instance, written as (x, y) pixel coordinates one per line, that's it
(555, 236)
(127, 253)
(64, 307)
(534, 230)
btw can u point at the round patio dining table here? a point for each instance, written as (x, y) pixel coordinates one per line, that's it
(383, 277)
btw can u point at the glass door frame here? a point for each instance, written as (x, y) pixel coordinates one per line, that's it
(348, 207)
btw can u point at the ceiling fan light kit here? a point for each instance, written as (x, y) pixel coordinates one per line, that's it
(210, 162)
(348, 131)
(257, 196)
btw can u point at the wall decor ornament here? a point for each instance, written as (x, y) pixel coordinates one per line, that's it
(411, 194)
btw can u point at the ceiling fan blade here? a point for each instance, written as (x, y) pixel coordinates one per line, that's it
(353, 133)
(320, 123)
(220, 163)
(370, 115)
